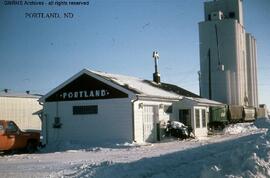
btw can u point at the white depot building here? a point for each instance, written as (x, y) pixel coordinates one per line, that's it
(98, 108)
(228, 68)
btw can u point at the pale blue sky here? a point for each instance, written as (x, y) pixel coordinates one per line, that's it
(116, 36)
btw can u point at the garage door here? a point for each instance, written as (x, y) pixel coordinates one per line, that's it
(150, 116)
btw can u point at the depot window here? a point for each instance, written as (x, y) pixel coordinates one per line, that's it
(197, 117)
(82, 110)
(231, 15)
(203, 118)
(168, 109)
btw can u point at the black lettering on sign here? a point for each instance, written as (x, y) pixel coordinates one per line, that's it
(68, 15)
(86, 87)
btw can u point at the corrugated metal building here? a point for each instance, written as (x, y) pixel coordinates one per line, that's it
(98, 108)
(21, 108)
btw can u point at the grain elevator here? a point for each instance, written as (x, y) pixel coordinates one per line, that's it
(228, 67)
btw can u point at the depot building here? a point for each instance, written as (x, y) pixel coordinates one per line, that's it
(99, 108)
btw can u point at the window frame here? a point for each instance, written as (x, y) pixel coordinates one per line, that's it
(12, 129)
(197, 119)
(232, 15)
(204, 121)
(168, 109)
(85, 110)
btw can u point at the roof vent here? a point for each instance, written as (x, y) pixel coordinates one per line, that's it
(156, 75)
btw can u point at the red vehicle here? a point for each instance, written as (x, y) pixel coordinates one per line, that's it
(12, 138)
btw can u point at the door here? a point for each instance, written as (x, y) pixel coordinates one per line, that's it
(150, 118)
(185, 116)
(16, 139)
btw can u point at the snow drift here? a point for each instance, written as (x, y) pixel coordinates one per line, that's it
(240, 152)
(248, 156)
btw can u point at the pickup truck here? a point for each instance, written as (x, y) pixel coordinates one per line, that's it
(12, 138)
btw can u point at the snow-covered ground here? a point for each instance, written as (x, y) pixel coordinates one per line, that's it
(242, 151)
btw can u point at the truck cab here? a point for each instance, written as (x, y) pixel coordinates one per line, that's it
(12, 138)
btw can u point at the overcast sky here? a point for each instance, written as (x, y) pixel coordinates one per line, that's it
(116, 36)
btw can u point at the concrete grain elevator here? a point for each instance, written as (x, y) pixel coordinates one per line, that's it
(228, 67)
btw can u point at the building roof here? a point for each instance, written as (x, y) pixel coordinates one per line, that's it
(205, 101)
(137, 86)
(18, 94)
(173, 88)
(150, 88)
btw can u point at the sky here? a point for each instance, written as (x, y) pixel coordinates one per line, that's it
(116, 36)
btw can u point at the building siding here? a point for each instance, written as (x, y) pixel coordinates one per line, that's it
(228, 86)
(112, 123)
(162, 117)
(20, 110)
(252, 71)
(188, 104)
(223, 34)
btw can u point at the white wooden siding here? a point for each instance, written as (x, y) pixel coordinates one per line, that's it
(150, 116)
(113, 123)
(192, 105)
(161, 117)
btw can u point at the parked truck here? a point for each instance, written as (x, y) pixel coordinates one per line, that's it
(12, 138)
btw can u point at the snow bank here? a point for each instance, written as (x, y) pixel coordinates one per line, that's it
(239, 128)
(262, 123)
(71, 147)
(248, 156)
(133, 144)
(240, 155)
(250, 159)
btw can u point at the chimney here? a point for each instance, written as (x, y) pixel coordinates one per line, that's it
(156, 75)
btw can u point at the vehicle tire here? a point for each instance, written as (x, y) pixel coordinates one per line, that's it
(7, 152)
(31, 147)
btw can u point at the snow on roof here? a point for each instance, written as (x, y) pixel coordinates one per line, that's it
(150, 88)
(174, 88)
(140, 87)
(205, 101)
(18, 94)
(137, 85)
